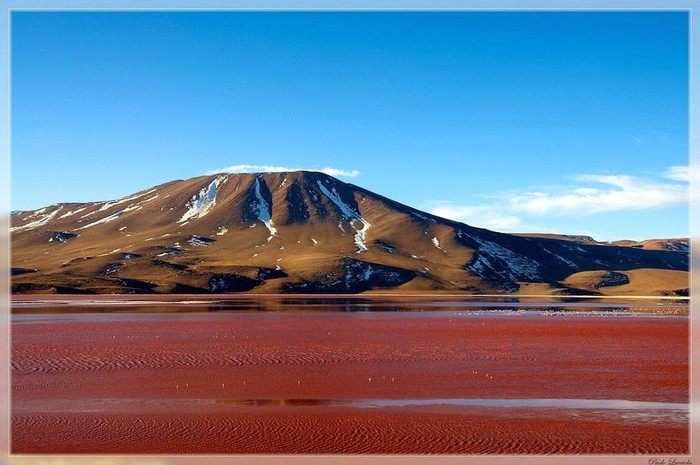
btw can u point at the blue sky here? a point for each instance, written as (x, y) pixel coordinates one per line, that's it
(566, 122)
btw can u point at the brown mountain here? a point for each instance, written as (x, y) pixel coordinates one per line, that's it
(306, 232)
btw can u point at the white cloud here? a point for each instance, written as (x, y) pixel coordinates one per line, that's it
(337, 172)
(592, 194)
(276, 169)
(678, 173)
(616, 193)
(482, 215)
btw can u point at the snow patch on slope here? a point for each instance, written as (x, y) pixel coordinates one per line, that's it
(357, 271)
(37, 213)
(561, 259)
(70, 213)
(200, 241)
(124, 200)
(575, 248)
(202, 202)
(40, 222)
(503, 262)
(89, 213)
(264, 211)
(111, 217)
(354, 217)
(109, 253)
(436, 243)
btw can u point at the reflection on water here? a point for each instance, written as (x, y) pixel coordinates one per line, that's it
(628, 409)
(602, 404)
(631, 410)
(625, 409)
(353, 304)
(585, 404)
(426, 304)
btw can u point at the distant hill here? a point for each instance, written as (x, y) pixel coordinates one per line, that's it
(306, 232)
(676, 245)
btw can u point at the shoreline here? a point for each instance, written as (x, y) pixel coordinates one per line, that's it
(434, 296)
(183, 303)
(190, 299)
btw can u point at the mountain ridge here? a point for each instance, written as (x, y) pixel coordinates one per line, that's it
(299, 232)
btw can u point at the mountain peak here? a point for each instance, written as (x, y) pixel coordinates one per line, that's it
(297, 231)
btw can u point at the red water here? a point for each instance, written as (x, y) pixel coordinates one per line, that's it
(283, 383)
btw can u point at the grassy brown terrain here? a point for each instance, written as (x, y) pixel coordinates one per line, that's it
(639, 282)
